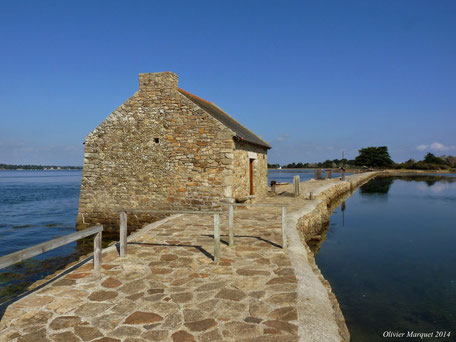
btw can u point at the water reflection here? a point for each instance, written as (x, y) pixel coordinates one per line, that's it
(433, 183)
(342, 208)
(377, 186)
(316, 240)
(392, 265)
(430, 180)
(436, 188)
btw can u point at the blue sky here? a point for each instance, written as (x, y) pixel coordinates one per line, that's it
(313, 78)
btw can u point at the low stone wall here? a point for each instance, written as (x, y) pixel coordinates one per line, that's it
(315, 293)
(312, 224)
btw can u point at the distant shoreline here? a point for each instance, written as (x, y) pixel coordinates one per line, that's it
(61, 169)
(7, 167)
(361, 171)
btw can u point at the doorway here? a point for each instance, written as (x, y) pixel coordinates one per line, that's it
(251, 175)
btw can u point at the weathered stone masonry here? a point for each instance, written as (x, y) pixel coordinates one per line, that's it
(243, 154)
(165, 148)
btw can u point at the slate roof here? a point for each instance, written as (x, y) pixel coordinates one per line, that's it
(241, 131)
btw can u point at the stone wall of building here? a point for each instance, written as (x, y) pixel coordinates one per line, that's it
(241, 181)
(156, 151)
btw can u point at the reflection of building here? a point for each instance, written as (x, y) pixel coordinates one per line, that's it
(165, 148)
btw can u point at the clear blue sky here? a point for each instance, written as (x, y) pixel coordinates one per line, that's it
(311, 77)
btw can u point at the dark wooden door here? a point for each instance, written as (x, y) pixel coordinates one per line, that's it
(251, 175)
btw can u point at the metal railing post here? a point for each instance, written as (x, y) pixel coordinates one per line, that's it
(216, 238)
(97, 251)
(284, 228)
(41, 248)
(231, 226)
(123, 234)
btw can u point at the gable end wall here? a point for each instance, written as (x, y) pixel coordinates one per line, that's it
(190, 167)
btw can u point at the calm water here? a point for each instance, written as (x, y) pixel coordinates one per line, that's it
(390, 257)
(396, 254)
(286, 175)
(36, 206)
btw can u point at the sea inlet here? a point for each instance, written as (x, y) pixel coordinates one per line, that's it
(390, 257)
(389, 253)
(37, 206)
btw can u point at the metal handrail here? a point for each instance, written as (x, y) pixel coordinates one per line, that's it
(30, 252)
(231, 220)
(123, 231)
(152, 211)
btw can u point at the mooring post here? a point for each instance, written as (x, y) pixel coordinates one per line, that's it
(231, 226)
(216, 237)
(123, 234)
(328, 174)
(97, 252)
(284, 228)
(296, 181)
(273, 186)
(343, 175)
(310, 195)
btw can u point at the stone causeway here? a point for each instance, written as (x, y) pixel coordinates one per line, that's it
(169, 289)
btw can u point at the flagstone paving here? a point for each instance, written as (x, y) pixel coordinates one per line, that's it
(169, 289)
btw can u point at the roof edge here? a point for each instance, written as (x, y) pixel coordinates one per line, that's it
(241, 139)
(263, 143)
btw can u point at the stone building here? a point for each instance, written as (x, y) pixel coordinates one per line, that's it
(166, 149)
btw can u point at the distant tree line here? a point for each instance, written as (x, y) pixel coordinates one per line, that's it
(430, 162)
(378, 157)
(37, 167)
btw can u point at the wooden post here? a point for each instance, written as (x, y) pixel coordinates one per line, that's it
(97, 252)
(343, 175)
(310, 195)
(296, 181)
(328, 174)
(284, 228)
(217, 238)
(231, 226)
(123, 234)
(273, 186)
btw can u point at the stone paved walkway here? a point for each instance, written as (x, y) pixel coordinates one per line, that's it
(169, 289)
